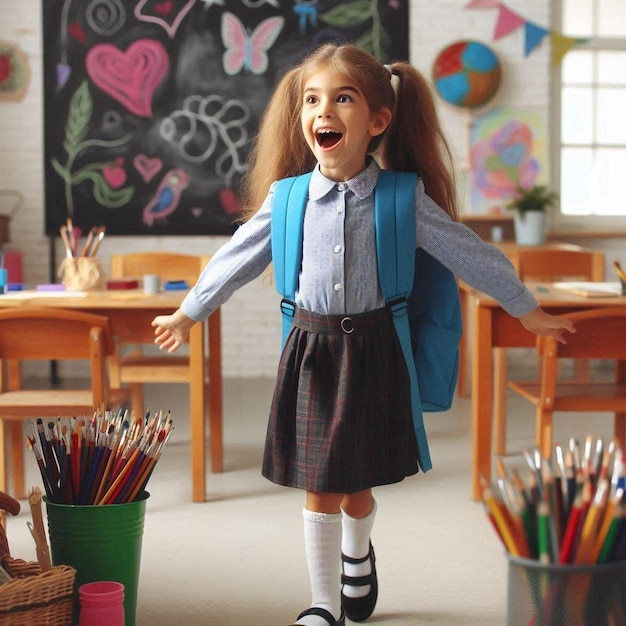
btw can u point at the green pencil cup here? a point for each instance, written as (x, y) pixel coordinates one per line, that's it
(101, 542)
(566, 595)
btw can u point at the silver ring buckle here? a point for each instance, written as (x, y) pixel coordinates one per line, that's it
(347, 325)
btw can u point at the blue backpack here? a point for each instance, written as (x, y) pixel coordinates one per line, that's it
(421, 293)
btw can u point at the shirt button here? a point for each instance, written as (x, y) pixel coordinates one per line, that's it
(339, 209)
(337, 287)
(341, 186)
(337, 249)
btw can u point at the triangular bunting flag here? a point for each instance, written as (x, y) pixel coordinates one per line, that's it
(561, 45)
(482, 4)
(508, 21)
(533, 36)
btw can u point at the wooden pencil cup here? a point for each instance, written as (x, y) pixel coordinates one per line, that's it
(81, 273)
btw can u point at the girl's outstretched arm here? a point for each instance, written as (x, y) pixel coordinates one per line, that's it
(170, 331)
(542, 323)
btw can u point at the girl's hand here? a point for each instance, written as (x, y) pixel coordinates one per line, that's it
(170, 331)
(542, 323)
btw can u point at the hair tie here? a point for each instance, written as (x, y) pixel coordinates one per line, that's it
(394, 79)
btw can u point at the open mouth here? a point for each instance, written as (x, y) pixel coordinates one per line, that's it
(327, 138)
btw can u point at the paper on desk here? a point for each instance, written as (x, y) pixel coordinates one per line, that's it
(591, 289)
(29, 294)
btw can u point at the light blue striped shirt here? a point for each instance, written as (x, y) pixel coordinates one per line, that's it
(338, 273)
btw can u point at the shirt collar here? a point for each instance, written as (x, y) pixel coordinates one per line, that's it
(362, 185)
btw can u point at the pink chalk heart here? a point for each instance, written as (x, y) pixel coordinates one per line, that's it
(132, 76)
(171, 25)
(196, 211)
(147, 167)
(114, 175)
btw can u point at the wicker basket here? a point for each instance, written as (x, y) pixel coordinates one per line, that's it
(42, 600)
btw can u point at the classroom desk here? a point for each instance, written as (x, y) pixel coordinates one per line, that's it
(130, 313)
(512, 250)
(493, 327)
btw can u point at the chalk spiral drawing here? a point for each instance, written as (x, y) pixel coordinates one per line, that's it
(132, 76)
(166, 8)
(248, 51)
(209, 121)
(105, 17)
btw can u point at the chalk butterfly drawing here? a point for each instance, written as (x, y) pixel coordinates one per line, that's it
(245, 50)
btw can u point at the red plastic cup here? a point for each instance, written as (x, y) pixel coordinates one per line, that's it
(101, 604)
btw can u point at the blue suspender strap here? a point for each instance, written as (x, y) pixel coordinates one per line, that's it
(290, 198)
(395, 251)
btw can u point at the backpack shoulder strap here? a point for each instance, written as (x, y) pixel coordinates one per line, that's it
(394, 213)
(289, 204)
(395, 232)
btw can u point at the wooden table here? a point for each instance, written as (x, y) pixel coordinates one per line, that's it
(130, 313)
(493, 327)
(511, 249)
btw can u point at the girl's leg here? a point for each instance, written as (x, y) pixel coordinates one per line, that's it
(359, 511)
(322, 539)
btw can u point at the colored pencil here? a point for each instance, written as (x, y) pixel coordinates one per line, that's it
(98, 460)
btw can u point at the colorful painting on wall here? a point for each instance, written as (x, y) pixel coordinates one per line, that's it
(14, 72)
(508, 149)
(150, 105)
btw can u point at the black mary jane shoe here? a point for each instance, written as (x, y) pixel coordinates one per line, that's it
(323, 613)
(359, 609)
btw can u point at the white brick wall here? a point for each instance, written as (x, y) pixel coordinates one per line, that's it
(251, 321)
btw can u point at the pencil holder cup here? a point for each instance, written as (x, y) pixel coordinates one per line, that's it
(565, 595)
(101, 604)
(81, 273)
(102, 543)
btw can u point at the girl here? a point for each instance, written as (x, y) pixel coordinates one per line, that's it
(340, 421)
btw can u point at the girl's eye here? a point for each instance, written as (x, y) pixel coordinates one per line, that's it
(310, 100)
(344, 98)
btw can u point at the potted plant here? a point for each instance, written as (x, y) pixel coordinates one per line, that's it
(530, 206)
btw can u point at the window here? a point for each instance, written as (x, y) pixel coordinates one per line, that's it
(592, 98)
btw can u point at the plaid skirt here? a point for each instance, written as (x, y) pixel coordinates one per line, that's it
(340, 420)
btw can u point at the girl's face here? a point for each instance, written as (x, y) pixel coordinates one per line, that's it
(338, 124)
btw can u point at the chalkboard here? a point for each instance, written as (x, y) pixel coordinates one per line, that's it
(150, 105)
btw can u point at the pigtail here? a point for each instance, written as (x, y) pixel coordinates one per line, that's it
(279, 149)
(415, 140)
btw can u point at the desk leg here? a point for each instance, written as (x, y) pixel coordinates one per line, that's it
(215, 391)
(197, 412)
(482, 377)
(462, 384)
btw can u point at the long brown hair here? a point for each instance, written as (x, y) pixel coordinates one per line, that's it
(414, 141)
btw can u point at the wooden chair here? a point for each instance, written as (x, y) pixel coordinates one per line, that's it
(542, 265)
(51, 334)
(599, 335)
(136, 365)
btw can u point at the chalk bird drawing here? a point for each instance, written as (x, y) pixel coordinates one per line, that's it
(167, 196)
(248, 51)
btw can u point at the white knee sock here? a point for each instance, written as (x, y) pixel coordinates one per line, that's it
(355, 543)
(322, 541)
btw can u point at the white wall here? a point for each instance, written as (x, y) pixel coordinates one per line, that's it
(251, 320)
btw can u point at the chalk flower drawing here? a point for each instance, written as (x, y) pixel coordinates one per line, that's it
(76, 128)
